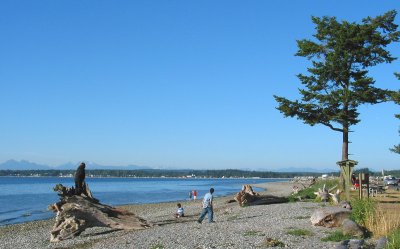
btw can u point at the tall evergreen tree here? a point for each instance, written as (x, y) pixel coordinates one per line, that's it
(337, 82)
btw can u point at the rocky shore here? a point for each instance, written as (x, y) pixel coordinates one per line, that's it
(234, 227)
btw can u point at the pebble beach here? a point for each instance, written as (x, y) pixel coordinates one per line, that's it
(234, 227)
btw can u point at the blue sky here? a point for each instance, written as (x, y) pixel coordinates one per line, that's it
(174, 84)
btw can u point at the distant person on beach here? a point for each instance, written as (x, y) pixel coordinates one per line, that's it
(194, 195)
(80, 178)
(207, 207)
(190, 195)
(180, 212)
(353, 179)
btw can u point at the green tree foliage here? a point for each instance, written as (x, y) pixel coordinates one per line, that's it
(337, 82)
(363, 170)
(396, 99)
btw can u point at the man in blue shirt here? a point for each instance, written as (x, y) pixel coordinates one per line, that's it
(207, 207)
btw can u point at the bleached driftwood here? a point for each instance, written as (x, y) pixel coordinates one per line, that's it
(75, 213)
(302, 183)
(336, 196)
(323, 194)
(246, 195)
(329, 216)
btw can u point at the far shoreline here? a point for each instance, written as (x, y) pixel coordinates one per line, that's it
(167, 177)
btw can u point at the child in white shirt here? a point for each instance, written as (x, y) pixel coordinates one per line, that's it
(180, 211)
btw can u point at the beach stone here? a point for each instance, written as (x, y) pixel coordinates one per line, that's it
(351, 244)
(345, 204)
(342, 244)
(329, 216)
(356, 244)
(381, 243)
(351, 228)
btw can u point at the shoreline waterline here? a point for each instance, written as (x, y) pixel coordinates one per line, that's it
(232, 223)
(33, 195)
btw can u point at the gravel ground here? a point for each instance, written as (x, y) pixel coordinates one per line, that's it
(234, 227)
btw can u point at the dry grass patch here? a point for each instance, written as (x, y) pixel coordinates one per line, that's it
(386, 216)
(384, 220)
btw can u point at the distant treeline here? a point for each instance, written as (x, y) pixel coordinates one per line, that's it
(228, 173)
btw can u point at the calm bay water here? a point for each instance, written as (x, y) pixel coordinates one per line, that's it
(26, 198)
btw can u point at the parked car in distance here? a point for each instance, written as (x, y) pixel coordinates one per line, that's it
(391, 181)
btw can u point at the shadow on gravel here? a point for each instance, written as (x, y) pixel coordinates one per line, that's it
(102, 233)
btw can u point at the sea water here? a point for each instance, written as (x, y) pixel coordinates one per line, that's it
(25, 199)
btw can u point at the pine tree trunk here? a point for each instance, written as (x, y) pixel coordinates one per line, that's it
(345, 145)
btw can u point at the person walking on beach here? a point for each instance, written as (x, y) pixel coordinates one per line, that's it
(190, 195)
(194, 195)
(207, 207)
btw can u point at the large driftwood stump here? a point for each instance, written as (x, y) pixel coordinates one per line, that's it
(75, 213)
(247, 197)
(330, 216)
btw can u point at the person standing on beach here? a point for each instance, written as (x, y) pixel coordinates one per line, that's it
(194, 195)
(80, 178)
(190, 195)
(207, 207)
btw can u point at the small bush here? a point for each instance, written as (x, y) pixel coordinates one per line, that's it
(394, 240)
(269, 242)
(300, 232)
(158, 246)
(308, 193)
(336, 236)
(362, 210)
(304, 194)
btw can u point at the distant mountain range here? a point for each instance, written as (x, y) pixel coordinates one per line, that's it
(308, 170)
(26, 165)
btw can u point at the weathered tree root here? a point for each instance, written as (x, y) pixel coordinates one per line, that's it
(247, 197)
(75, 213)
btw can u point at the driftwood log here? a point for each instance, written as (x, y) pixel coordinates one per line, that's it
(247, 197)
(336, 196)
(324, 194)
(330, 216)
(76, 212)
(302, 183)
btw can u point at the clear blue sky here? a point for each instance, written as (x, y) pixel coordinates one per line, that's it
(174, 84)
